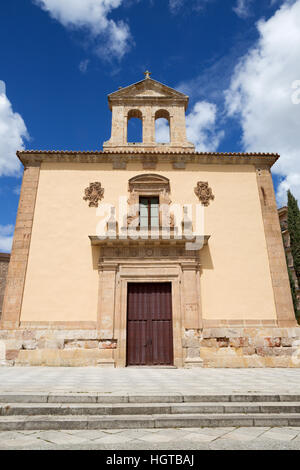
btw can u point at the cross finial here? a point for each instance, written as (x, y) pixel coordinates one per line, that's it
(147, 74)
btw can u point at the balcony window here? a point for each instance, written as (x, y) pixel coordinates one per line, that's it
(149, 212)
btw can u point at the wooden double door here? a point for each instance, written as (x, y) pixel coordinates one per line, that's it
(149, 324)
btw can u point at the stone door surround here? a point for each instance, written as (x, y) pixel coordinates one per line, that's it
(147, 261)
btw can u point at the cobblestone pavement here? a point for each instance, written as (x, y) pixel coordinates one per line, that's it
(149, 380)
(159, 439)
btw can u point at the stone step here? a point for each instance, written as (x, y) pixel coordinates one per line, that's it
(90, 409)
(42, 423)
(63, 397)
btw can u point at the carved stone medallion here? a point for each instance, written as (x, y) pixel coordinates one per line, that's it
(204, 193)
(94, 193)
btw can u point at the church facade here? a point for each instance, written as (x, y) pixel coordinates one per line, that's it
(148, 254)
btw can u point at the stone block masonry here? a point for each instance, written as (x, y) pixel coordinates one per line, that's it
(20, 250)
(254, 347)
(275, 248)
(243, 347)
(4, 262)
(51, 347)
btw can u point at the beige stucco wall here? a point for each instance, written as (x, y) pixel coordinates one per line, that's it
(62, 276)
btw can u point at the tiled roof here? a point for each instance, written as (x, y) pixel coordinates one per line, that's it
(148, 152)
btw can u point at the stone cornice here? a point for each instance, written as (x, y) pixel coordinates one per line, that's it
(35, 157)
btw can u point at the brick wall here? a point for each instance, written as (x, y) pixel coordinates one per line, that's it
(4, 260)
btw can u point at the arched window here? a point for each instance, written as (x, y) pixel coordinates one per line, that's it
(162, 127)
(134, 126)
(148, 194)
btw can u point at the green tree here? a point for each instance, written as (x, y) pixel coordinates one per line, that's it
(293, 290)
(294, 231)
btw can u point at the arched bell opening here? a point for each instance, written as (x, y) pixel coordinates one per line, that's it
(162, 127)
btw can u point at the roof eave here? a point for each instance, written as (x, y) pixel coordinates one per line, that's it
(36, 157)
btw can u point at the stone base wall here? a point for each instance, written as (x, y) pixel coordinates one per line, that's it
(39, 347)
(242, 347)
(212, 347)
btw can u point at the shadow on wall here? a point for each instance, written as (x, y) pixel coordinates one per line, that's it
(95, 250)
(206, 259)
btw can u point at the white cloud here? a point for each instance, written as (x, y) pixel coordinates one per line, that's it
(110, 37)
(6, 237)
(200, 127)
(242, 8)
(162, 131)
(13, 132)
(261, 92)
(175, 5)
(292, 182)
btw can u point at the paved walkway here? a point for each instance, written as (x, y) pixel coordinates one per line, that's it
(159, 439)
(146, 381)
(149, 380)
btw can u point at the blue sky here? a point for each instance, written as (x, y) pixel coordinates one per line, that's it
(238, 61)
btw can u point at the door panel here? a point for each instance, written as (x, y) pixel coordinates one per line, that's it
(162, 347)
(137, 350)
(149, 324)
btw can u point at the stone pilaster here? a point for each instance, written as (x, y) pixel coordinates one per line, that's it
(148, 126)
(106, 305)
(119, 125)
(178, 125)
(192, 314)
(4, 263)
(191, 296)
(277, 261)
(20, 250)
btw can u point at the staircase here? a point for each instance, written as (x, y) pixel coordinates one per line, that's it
(65, 411)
